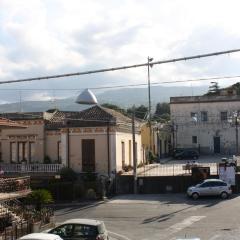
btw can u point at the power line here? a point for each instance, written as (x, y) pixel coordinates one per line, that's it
(121, 68)
(121, 86)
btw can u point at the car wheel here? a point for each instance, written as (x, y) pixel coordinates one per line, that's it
(224, 195)
(195, 196)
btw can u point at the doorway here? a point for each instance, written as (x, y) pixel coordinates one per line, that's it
(216, 142)
(88, 155)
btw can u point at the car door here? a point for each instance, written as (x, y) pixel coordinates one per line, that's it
(205, 189)
(64, 231)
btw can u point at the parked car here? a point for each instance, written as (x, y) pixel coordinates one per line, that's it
(40, 236)
(210, 187)
(186, 154)
(86, 229)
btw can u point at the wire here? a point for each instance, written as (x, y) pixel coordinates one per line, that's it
(120, 68)
(121, 86)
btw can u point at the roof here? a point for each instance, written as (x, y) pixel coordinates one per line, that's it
(91, 117)
(6, 123)
(213, 180)
(41, 236)
(91, 222)
(204, 99)
(22, 116)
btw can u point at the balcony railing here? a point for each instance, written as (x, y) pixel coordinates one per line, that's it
(31, 168)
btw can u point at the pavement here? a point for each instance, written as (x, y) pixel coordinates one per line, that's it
(162, 216)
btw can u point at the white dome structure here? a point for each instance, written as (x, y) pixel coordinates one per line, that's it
(87, 97)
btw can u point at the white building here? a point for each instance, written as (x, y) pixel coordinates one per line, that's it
(208, 123)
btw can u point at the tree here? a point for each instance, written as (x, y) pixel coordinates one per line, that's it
(40, 197)
(140, 112)
(162, 108)
(214, 88)
(114, 107)
(67, 174)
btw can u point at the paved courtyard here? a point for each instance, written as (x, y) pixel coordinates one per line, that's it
(166, 216)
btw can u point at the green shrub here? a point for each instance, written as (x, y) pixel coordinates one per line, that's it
(40, 197)
(47, 160)
(67, 174)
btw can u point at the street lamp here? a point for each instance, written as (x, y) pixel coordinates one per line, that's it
(149, 102)
(234, 120)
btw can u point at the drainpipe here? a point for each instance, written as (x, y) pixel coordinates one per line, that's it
(108, 149)
(68, 149)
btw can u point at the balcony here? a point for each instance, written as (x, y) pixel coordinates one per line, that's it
(31, 169)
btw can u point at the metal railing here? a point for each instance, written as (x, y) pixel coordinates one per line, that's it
(31, 168)
(171, 169)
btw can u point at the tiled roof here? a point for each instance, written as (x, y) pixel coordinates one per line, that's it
(6, 123)
(93, 116)
(22, 116)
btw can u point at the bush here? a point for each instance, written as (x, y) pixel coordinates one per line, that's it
(127, 168)
(67, 174)
(40, 197)
(47, 160)
(91, 194)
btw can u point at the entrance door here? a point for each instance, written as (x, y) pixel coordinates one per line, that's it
(216, 141)
(88, 155)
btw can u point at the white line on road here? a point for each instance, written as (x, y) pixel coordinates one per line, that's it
(185, 223)
(214, 237)
(118, 236)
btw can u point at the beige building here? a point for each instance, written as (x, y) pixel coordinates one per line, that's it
(96, 140)
(207, 123)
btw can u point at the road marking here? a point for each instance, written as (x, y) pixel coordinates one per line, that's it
(214, 237)
(185, 223)
(119, 236)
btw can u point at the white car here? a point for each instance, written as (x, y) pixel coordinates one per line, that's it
(87, 229)
(210, 187)
(40, 236)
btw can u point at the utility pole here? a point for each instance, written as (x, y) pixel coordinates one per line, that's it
(149, 104)
(134, 152)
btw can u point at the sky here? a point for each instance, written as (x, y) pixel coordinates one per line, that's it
(44, 37)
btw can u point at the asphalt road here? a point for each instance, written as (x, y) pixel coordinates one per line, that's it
(166, 216)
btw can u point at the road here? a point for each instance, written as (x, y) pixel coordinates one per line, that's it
(166, 216)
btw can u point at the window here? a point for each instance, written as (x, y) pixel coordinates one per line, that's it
(85, 231)
(59, 151)
(194, 115)
(63, 231)
(130, 152)
(194, 139)
(13, 152)
(22, 151)
(31, 151)
(223, 116)
(123, 154)
(204, 116)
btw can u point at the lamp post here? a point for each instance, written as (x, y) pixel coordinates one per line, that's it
(234, 120)
(149, 103)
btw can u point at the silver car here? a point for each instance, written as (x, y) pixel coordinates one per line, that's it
(210, 187)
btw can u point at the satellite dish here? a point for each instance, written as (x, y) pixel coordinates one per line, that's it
(87, 97)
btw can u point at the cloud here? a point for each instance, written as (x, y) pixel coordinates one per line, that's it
(52, 37)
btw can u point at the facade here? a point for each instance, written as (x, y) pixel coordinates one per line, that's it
(96, 140)
(207, 123)
(160, 139)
